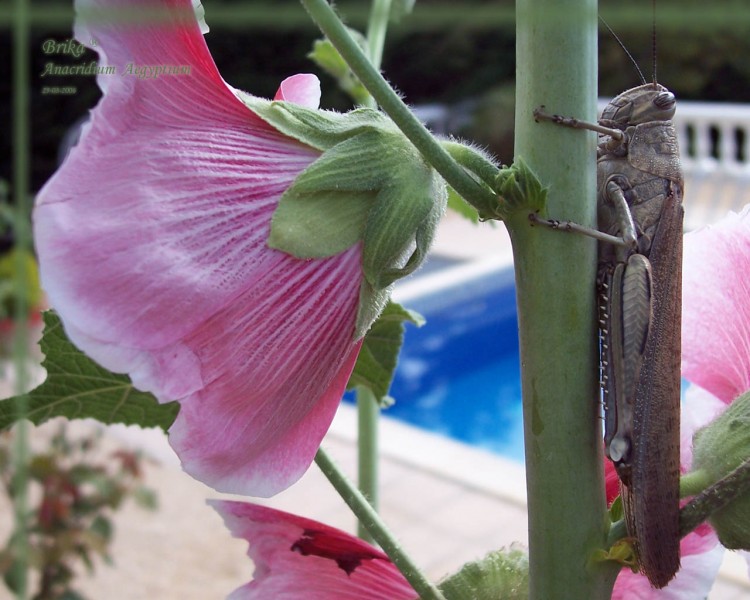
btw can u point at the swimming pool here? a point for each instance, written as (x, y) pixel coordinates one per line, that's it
(459, 375)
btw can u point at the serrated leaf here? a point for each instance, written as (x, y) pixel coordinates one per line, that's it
(500, 574)
(379, 354)
(78, 388)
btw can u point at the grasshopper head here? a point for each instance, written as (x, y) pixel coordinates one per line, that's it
(649, 102)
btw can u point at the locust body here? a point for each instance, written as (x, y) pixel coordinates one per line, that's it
(639, 204)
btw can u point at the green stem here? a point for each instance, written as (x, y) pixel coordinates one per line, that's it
(21, 69)
(555, 283)
(368, 413)
(694, 483)
(377, 26)
(370, 519)
(617, 531)
(714, 498)
(322, 13)
(474, 161)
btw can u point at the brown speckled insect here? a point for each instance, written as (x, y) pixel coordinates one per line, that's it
(639, 199)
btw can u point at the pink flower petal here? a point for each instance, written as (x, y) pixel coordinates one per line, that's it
(302, 89)
(152, 247)
(716, 311)
(693, 580)
(299, 558)
(698, 409)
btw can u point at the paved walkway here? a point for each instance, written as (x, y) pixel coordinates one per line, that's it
(448, 503)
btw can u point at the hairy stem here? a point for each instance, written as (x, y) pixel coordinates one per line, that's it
(465, 185)
(374, 524)
(714, 498)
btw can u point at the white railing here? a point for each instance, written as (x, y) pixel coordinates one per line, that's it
(714, 137)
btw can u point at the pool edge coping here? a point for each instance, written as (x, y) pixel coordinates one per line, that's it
(440, 455)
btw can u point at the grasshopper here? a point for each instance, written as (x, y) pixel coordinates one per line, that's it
(639, 212)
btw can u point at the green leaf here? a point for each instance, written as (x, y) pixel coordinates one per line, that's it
(401, 8)
(396, 197)
(78, 388)
(460, 206)
(328, 58)
(379, 354)
(10, 263)
(102, 527)
(146, 498)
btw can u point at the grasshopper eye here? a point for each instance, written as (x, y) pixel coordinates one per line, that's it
(664, 100)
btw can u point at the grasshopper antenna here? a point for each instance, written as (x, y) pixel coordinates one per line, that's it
(624, 49)
(653, 40)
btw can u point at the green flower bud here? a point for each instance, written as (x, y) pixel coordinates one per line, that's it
(718, 449)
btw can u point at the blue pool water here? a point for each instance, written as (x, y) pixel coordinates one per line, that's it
(459, 375)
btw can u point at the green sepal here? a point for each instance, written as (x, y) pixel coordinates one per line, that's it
(718, 449)
(500, 574)
(369, 184)
(321, 129)
(328, 58)
(402, 224)
(378, 357)
(616, 510)
(78, 388)
(371, 303)
(517, 188)
(319, 224)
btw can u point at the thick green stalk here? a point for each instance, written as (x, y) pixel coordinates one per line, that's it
(368, 413)
(555, 280)
(388, 100)
(367, 516)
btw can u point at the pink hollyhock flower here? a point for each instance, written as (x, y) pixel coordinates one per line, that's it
(716, 313)
(296, 557)
(715, 356)
(152, 246)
